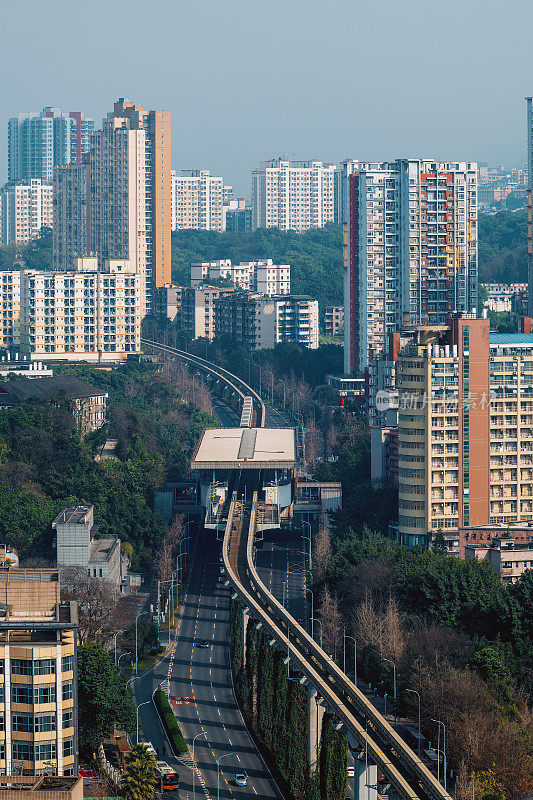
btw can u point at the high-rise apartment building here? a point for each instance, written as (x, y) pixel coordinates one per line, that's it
(89, 314)
(293, 195)
(25, 208)
(128, 196)
(38, 689)
(196, 313)
(197, 201)
(9, 308)
(69, 214)
(37, 142)
(529, 107)
(465, 428)
(255, 276)
(236, 215)
(410, 249)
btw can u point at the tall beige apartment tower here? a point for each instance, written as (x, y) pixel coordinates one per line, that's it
(128, 197)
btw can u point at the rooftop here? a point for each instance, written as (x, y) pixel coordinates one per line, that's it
(500, 339)
(74, 515)
(20, 390)
(246, 448)
(101, 549)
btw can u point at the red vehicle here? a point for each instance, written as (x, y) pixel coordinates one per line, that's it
(169, 779)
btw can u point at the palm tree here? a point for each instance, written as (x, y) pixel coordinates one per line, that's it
(139, 779)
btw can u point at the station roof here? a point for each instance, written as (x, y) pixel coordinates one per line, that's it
(246, 448)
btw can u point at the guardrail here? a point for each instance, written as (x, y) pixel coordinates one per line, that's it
(238, 385)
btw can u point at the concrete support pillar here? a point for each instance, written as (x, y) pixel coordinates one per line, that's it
(245, 621)
(315, 716)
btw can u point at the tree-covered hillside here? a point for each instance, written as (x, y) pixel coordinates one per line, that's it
(315, 257)
(503, 247)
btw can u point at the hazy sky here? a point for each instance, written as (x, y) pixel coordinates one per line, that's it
(248, 80)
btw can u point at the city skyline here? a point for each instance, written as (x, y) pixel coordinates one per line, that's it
(329, 108)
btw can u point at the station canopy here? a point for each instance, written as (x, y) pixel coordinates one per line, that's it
(246, 448)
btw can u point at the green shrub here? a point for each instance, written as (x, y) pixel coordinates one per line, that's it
(171, 724)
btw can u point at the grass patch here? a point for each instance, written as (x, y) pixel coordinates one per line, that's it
(171, 724)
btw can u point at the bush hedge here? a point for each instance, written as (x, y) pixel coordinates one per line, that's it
(171, 724)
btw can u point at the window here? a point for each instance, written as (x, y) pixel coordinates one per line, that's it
(68, 747)
(21, 693)
(22, 722)
(45, 693)
(45, 751)
(67, 691)
(67, 663)
(45, 666)
(45, 722)
(23, 751)
(21, 666)
(68, 718)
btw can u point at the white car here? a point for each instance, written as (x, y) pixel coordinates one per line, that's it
(350, 772)
(241, 779)
(151, 749)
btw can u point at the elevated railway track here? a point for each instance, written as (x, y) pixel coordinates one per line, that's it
(367, 729)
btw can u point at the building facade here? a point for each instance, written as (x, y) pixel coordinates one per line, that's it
(9, 308)
(465, 429)
(69, 214)
(128, 197)
(293, 195)
(197, 201)
(255, 276)
(25, 208)
(196, 315)
(167, 301)
(411, 249)
(76, 546)
(89, 314)
(37, 142)
(38, 689)
(258, 322)
(333, 320)
(237, 215)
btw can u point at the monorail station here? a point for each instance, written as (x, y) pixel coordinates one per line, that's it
(264, 455)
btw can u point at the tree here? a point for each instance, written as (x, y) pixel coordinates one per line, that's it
(331, 621)
(104, 698)
(147, 638)
(139, 780)
(97, 605)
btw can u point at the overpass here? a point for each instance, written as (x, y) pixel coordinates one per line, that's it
(375, 744)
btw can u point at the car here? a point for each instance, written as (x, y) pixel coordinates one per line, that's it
(350, 772)
(149, 746)
(241, 779)
(203, 643)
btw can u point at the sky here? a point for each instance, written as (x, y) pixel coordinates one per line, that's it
(247, 80)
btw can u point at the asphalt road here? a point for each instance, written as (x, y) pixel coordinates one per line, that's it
(282, 563)
(202, 676)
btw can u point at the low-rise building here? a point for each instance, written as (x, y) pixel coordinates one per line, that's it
(10, 308)
(45, 787)
(334, 320)
(197, 312)
(86, 403)
(76, 546)
(256, 322)
(166, 301)
(509, 558)
(38, 686)
(253, 276)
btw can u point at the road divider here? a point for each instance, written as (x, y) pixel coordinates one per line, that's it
(178, 743)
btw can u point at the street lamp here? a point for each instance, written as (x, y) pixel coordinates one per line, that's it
(115, 638)
(305, 522)
(144, 703)
(439, 723)
(315, 619)
(122, 656)
(419, 734)
(393, 680)
(312, 611)
(203, 733)
(218, 772)
(353, 639)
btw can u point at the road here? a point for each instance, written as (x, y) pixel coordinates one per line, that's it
(203, 674)
(281, 562)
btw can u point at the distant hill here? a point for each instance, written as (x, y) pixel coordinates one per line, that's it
(315, 257)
